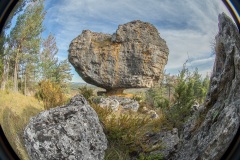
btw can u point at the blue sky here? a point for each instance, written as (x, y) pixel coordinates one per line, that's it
(188, 26)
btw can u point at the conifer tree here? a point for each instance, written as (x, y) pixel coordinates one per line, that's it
(48, 59)
(25, 41)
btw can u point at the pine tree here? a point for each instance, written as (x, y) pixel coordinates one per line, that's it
(50, 67)
(25, 41)
(62, 73)
(48, 59)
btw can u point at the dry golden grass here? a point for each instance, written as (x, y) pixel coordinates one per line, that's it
(15, 112)
(126, 131)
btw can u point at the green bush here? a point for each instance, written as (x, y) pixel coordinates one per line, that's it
(86, 92)
(51, 94)
(125, 132)
(156, 98)
(150, 157)
(188, 89)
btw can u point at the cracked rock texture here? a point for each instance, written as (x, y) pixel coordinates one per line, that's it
(133, 57)
(212, 138)
(69, 132)
(167, 139)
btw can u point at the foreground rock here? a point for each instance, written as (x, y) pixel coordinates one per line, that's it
(222, 120)
(69, 132)
(167, 140)
(133, 57)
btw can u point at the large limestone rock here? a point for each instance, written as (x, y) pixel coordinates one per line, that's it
(69, 132)
(212, 138)
(133, 57)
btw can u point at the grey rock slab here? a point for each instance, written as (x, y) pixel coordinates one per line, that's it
(71, 132)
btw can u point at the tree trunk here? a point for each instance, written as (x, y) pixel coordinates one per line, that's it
(25, 84)
(16, 74)
(3, 84)
(15, 77)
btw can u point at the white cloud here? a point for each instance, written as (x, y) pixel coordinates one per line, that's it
(188, 26)
(201, 61)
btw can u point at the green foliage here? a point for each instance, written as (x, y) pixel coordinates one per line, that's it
(49, 66)
(86, 92)
(150, 157)
(184, 93)
(156, 97)
(62, 73)
(24, 43)
(140, 97)
(24, 61)
(126, 127)
(51, 94)
(190, 88)
(47, 59)
(125, 132)
(116, 151)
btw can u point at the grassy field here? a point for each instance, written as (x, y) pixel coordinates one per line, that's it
(15, 112)
(121, 129)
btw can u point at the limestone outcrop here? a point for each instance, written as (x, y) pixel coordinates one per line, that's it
(220, 125)
(69, 132)
(133, 57)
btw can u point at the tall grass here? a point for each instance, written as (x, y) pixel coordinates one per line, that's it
(15, 112)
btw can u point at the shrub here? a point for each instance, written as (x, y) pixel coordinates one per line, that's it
(188, 89)
(51, 94)
(156, 97)
(86, 92)
(125, 132)
(150, 157)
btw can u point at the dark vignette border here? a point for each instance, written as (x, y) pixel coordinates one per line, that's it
(233, 7)
(6, 151)
(6, 6)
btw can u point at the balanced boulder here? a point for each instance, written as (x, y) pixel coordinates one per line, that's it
(133, 57)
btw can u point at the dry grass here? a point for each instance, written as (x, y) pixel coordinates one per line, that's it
(15, 112)
(126, 132)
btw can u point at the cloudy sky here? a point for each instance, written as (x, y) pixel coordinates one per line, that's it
(188, 26)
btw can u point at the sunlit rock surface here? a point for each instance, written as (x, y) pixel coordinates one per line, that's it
(69, 132)
(133, 57)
